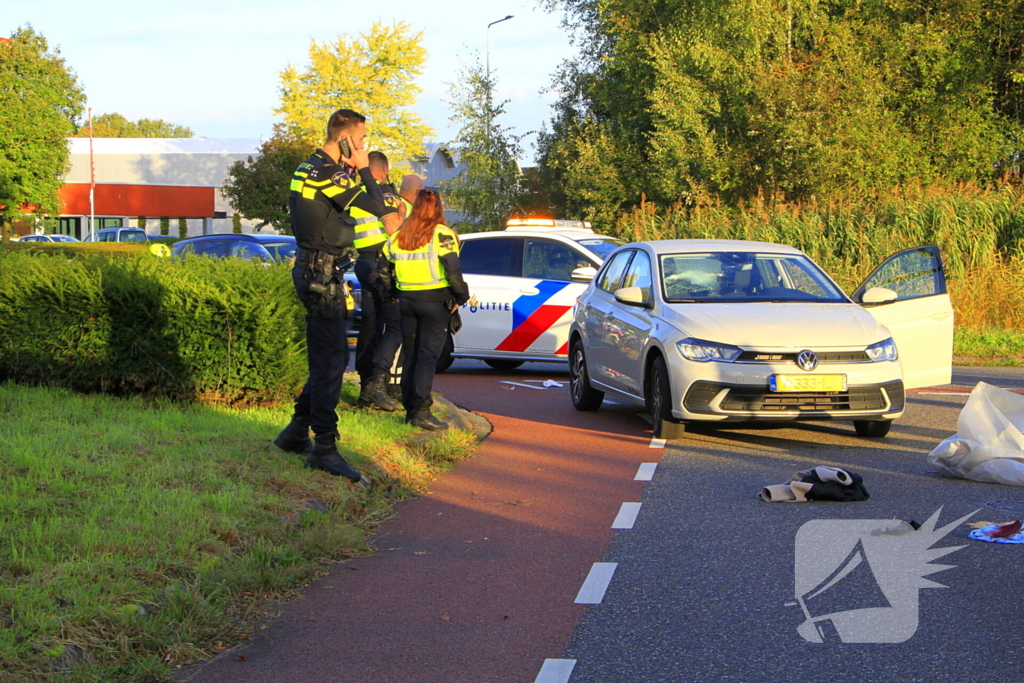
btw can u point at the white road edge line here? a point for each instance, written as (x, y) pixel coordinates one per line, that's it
(627, 516)
(593, 589)
(555, 671)
(646, 471)
(657, 443)
(527, 386)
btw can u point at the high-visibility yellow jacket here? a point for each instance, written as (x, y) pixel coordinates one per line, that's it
(408, 205)
(421, 269)
(370, 230)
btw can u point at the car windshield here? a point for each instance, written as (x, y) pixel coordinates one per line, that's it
(739, 276)
(281, 251)
(601, 246)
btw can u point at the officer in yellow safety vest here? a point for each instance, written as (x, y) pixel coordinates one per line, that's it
(323, 191)
(379, 309)
(427, 275)
(411, 185)
(390, 344)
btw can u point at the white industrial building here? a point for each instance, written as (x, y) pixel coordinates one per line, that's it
(176, 178)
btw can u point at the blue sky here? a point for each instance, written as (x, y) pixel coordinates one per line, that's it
(213, 66)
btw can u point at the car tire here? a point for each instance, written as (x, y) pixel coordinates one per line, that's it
(874, 429)
(584, 396)
(659, 403)
(444, 361)
(501, 364)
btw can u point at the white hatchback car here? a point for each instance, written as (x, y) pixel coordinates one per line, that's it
(724, 330)
(523, 282)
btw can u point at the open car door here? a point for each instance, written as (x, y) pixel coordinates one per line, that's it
(921, 316)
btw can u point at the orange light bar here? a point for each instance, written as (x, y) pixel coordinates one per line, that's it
(523, 222)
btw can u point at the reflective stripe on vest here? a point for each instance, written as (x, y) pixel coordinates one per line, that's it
(419, 269)
(369, 229)
(308, 188)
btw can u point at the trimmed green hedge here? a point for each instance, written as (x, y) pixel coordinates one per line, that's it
(213, 330)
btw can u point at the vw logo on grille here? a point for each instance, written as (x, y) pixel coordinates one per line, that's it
(807, 360)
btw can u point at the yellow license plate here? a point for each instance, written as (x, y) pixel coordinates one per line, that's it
(807, 382)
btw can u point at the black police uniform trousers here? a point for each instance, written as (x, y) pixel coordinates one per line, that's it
(327, 351)
(424, 332)
(375, 347)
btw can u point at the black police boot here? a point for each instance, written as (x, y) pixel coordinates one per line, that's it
(374, 395)
(424, 419)
(294, 438)
(324, 456)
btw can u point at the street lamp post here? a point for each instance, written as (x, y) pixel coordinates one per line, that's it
(488, 43)
(487, 104)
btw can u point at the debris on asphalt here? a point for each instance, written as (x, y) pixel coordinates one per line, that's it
(897, 528)
(999, 533)
(818, 483)
(512, 385)
(989, 443)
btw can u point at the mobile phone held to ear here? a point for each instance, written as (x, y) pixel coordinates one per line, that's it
(346, 151)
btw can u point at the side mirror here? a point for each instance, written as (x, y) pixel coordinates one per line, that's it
(631, 296)
(878, 295)
(585, 274)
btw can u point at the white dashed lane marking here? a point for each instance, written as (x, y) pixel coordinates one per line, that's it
(645, 471)
(657, 443)
(592, 591)
(627, 516)
(555, 671)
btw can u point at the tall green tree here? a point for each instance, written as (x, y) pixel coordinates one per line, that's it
(374, 74)
(690, 101)
(488, 191)
(258, 187)
(117, 126)
(40, 99)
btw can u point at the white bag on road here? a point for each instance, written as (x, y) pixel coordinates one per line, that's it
(989, 443)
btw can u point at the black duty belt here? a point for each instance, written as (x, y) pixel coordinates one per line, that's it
(322, 261)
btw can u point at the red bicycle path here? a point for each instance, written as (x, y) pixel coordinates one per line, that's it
(476, 580)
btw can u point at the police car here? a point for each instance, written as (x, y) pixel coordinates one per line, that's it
(523, 282)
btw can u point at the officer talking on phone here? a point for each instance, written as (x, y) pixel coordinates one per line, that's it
(324, 189)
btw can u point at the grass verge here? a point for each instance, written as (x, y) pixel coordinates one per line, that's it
(997, 347)
(139, 536)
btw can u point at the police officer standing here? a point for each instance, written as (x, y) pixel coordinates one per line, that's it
(323, 190)
(411, 185)
(390, 343)
(379, 309)
(425, 255)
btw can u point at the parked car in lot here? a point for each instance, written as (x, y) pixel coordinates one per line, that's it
(117, 235)
(256, 247)
(725, 331)
(280, 248)
(523, 282)
(47, 238)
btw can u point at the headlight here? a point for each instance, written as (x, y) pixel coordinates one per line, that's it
(883, 350)
(704, 351)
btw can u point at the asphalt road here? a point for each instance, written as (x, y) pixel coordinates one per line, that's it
(488, 577)
(703, 587)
